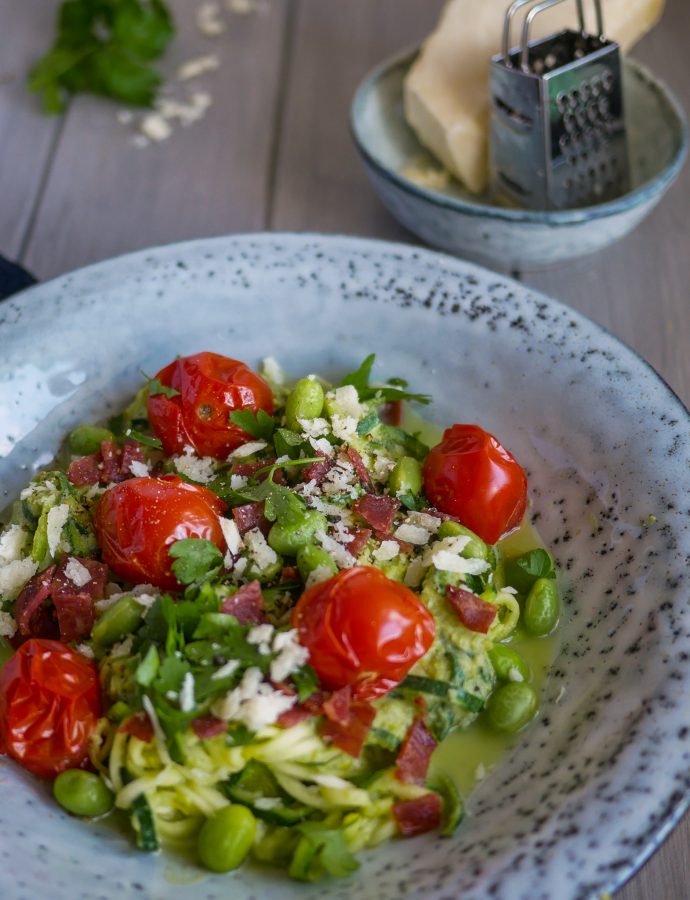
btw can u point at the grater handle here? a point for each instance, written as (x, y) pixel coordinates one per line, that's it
(542, 7)
(517, 5)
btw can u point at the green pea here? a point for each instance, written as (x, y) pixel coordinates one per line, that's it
(287, 537)
(540, 613)
(226, 838)
(117, 622)
(85, 439)
(119, 711)
(508, 664)
(511, 707)
(310, 557)
(304, 402)
(82, 793)
(476, 549)
(406, 477)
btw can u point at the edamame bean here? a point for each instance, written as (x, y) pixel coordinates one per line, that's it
(406, 477)
(287, 537)
(82, 793)
(117, 622)
(511, 707)
(476, 549)
(541, 610)
(226, 838)
(310, 557)
(508, 664)
(304, 402)
(85, 439)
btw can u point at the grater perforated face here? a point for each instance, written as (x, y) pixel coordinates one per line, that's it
(557, 128)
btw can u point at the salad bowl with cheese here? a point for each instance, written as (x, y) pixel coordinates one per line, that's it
(286, 647)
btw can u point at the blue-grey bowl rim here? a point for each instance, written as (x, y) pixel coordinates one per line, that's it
(555, 218)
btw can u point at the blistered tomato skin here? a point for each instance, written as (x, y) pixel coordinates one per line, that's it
(137, 521)
(469, 475)
(363, 630)
(210, 387)
(50, 703)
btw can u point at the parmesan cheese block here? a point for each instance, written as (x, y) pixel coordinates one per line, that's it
(447, 89)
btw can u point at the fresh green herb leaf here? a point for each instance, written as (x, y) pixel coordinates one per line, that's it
(332, 853)
(409, 501)
(474, 583)
(368, 423)
(104, 47)
(195, 559)
(171, 674)
(155, 387)
(144, 439)
(269, 470)
(393, 390)
(283, 505)
(288, 443)
(305, 681)
(537, 563)
(470, 701)
(146, 830)
(259, 425)
(148, 668)
(400, 442)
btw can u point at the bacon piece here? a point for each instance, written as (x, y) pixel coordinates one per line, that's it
(391, 413)
(249, 516)
(294, 716)
(474, 613)
(360, 537)
(139, 726)
(112, 458)
(85, 470)
(419, 815)
(289, 573)
(415, 753)
(34, 617)
(251, 468)
(350, 739)
(379, 512)
(336, 708)
(317, 471)
(360, 469)
(131, 452)
(75, 605)
(246, 605)
(209, 726)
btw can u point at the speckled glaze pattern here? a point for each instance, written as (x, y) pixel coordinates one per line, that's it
(602, 776)
(456, 221)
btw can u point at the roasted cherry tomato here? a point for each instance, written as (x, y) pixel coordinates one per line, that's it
(209, 387)
(137, 520)
(363, 630)
(469, 475)
(50, 703)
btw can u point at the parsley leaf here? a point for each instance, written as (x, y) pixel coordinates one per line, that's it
(155, 387)
(195, 559)
(144, 439)
(537, 563)
(392, 390)
(367, 424)
(331, 851)
(305, 681)
(104, 47)
(288, 443)
(171, 674)
(259, 425)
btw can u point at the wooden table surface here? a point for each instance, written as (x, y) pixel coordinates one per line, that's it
(274, 152)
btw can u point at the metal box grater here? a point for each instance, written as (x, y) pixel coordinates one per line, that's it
(557, 127)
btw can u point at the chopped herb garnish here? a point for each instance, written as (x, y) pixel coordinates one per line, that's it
(195, 560)
(367, 424)
(259, 425)
(392, 390)
(144, 439)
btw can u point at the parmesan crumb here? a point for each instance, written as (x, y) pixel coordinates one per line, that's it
(8, 627)
(347, 399)
(12, 543)
(387, 550)
(247, 449)
(258, 549)
(226, 670)
(339, 554)
(155, 128)
(317, 575)
(291, 655)
(232, 536)
(200, 469)
(77, 573)
(193, 68)
(314, 428)
(187, 698)
(139, 469)
(412, 534)
(208, 20)
(57, 517)
(273, 371)
(515, 675)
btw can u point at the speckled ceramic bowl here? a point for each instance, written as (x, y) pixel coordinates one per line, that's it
(596, 783)
(454, 220)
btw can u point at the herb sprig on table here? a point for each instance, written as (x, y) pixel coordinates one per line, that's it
(104, 47)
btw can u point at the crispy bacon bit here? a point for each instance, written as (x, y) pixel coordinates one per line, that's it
(251, 468)
(249, 516)
(351, 739)
(112, 459)
(246, 605)
(474, 613)
(312, 706)
(209, 726)
(391, 413)
(419, 815)
(34, 616)
(337, 707)
(360, 537)
(294, 716)
(71, 613)
(85, 470)
(139, 726)
(360, 469)
(75, 605)
(131, 452)
(317, 471)
(379, 512)
(415, 753)
(289, 573)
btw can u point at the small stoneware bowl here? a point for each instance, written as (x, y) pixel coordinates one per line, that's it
(450, 218)
(592, 787)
